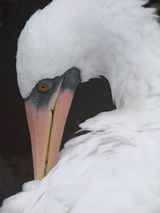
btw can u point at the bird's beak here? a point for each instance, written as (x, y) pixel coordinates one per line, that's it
(46, 125)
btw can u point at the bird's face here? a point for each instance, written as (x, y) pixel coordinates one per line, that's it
(47, 108)
(48, 69)
(49, 48)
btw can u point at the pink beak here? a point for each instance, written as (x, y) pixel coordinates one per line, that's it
(46, 125)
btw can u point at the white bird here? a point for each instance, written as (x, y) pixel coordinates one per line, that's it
(115, 168)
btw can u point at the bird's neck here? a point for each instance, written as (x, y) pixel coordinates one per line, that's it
(126, 50)
(132, 69)
(135, 80)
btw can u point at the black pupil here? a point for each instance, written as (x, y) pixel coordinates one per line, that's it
(43, 87)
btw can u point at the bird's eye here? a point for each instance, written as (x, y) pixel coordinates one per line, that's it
(43, 88)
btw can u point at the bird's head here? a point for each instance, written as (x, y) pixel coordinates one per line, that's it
(74, 40)
(52, 50)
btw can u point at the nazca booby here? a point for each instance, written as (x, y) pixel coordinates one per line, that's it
(115, 168)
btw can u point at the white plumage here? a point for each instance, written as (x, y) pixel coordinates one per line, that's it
(115, 168)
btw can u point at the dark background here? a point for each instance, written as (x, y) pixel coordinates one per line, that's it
(15, 150)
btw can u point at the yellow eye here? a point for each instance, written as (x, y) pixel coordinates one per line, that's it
(43, 88)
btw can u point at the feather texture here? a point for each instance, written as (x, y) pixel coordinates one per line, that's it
(111, 170)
